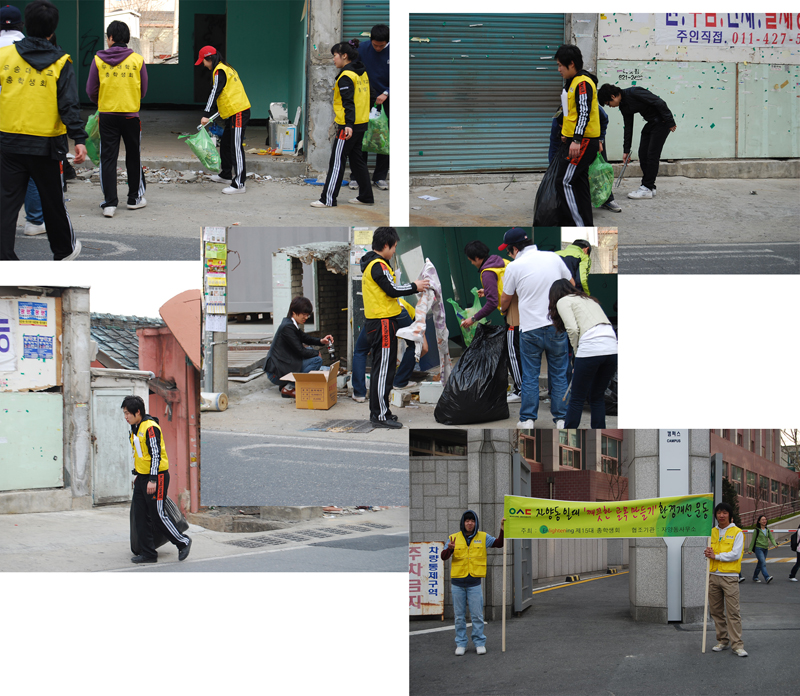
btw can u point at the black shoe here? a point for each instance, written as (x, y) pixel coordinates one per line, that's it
(392, 417)
(183, 554)
(390, 424)
(143, 559)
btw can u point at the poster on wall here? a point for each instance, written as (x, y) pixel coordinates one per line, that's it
(726, 29)
(8, 353)
(29, 345)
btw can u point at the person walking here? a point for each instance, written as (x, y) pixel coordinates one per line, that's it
(230, 100)
(595, 345)
(117, 83)
(351, 115)
(796, 549)
(760, 545)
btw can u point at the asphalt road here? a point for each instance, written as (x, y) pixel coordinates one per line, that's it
(755, 258)
(250, 469)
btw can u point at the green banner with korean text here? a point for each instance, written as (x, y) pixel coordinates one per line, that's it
(540, 518)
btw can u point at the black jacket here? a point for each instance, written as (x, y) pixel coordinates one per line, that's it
(287, 352)
(638, 100)
(384, 280)
(41, 54)
(347, 91)
(585, 108)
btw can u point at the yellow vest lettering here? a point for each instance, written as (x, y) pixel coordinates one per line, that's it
(142, 459)
(233, 98)
(120, 85)
(469, 560)
(499, 272)
(361, 98)
(570, 121)
(29, 97)
(377, 304)
(724, 544)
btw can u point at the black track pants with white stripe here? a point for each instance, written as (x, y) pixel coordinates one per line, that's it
(514, 357)
(381, 334)
(231, 149)
(574, 199)
(151, 514)
(129, 128)
(15, 170)
(341, 151)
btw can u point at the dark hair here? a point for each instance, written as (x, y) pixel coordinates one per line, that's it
(519, 246)
(563, 288)
(380, 32)
(605, 93)
(758, 521)
(119, 31)
(567, 54)
(383, 237)
(583, 244)
(476, 250)
(300, 305)
(216, 59)
(133, 405)
(41, 18)
(724, 506)
(13, 27)
(346, 48)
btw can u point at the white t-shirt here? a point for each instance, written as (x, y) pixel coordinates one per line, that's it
(599, 340)
(8, 37)
(530, 276)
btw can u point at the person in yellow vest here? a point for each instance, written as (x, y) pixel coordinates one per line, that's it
(725, 558)
(468, 567)
(580, 136)
(38, 106)
(351, 114)
(380, 291)
(230, 100)
(117, 83)
(492, 268)
(151, 468)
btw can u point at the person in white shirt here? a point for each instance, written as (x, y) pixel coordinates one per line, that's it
(530, 276)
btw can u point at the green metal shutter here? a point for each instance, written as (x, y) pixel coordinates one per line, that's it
(483, 91)
(359, 16)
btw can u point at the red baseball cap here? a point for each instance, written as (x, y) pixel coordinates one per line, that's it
(205, 52)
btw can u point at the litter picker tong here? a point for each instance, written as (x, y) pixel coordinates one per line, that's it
(622, 173)
(211, 120)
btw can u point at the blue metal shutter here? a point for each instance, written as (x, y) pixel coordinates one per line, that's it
(483, 91)
(359, 16)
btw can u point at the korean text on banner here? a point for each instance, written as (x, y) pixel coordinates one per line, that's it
(540, 518)
(425, 578)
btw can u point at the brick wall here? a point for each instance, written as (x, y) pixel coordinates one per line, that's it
(585, 485)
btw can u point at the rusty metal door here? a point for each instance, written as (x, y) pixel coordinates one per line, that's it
(523, 548)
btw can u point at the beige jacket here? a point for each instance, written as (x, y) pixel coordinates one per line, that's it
(579, 314)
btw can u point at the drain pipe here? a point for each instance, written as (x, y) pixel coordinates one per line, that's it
(193, 441)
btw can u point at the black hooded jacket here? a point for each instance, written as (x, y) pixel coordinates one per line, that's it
(638, 100)
(41, 54)
(347, 91)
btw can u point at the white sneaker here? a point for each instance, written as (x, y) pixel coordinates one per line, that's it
(75, 252)
(359, 399)
(792, 579)
(32, 230)
(653, 191)
(140, 203)
(526, 425)
(217, 178)
(231, 189)
(559, 424)
(109, 210)
(481, 650)
(355, 201)
(719, 647)
(353, 185)
(741, 652)
(756, 579)
(320, 204)
(460, 651)
(511, 397)
(408, 386)
(641, 192)
(382, 185)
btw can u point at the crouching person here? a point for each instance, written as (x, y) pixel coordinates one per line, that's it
(468, 550)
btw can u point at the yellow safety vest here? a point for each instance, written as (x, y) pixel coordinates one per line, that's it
(499, 272)
(120, 85)
(592, 129)
(411, 311)
(141, 454)
(233, 98)
(29, 97)
(469, 560)
(377, 304)
(724, 545)
(361, 98)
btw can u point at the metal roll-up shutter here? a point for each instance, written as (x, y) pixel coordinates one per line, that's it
(359, 16)
(483, 90)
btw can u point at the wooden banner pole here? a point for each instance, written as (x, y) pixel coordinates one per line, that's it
(505, 546)
(705, 608)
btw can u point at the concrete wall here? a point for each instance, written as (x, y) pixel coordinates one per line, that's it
(324, 27)
(331, 311)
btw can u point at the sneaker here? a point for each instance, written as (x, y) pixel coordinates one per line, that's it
(719, 647)
(769, 580)
(741, 579)
(143, 559)
(320, 204)
(526, 425)
(756, 579)
(359, 399)
(109, 210)
(653, 191)
(382, 185)
(792, 579)
(138, 203)
(460, 651)
(560, 424)
(511, 397)
(353, 185)
(218, 179)
(481, 650)
(641, 192)
(355, 201)
(183, 554)
(75, 252)
(613, 206)
(390, 424)
(231, 189)
(409, 385)
(741, 652)
(32, 230)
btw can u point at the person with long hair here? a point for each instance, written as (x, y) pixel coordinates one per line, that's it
(351, 115)
(229, 98)
(762, 540)
(595, 345)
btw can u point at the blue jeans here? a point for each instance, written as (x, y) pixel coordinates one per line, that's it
(761, 567)
(33, 205)
(554, 346)
(590, 378)
(309, 365)
(362, 349)
(473, 595)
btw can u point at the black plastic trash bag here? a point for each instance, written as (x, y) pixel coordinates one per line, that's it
(546, 210)
(477, 387)
(173, 512)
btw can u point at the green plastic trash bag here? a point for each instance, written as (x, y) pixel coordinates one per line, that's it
(376, 139)
(204, 149)
(601, 179)
(461, 314)
(93, 143)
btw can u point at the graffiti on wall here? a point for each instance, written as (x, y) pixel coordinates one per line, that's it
(726, 29)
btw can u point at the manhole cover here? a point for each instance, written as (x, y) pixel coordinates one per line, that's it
(343, 426)
(255, 542)
(375, 525)
(315, 533)
(338, 530)
(357, 528)
(291, 537)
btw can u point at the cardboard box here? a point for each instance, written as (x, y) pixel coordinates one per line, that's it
(314, 390)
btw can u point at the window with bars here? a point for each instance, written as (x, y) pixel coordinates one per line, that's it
(763, 487)
(736, 478)
(751, 484)
(569, 450)
(610, 450)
